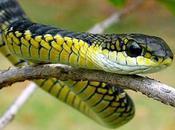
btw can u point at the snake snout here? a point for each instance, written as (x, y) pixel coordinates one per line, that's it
(169, 54)
(160, 49)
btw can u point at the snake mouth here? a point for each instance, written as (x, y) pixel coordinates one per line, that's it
(112, 66)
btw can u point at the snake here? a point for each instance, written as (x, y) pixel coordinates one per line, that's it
(25, 42)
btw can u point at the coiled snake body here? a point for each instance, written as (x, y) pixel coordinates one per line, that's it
(109, 105)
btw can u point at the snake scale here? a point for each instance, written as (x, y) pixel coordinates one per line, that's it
(24, 41)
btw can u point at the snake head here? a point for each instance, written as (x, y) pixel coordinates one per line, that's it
(135, 53)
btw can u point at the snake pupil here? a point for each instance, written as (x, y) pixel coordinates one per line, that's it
(133, 49)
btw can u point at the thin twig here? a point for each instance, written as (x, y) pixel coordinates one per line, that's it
(18, 103)
(9, 115)
(115, 18)
(147, 86)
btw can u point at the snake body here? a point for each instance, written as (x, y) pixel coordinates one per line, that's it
(25, 41)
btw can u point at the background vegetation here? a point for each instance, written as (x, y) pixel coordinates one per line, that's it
(43, 112)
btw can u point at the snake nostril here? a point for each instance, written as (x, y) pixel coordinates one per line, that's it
(171, 57)
(170, 54)
(156, 58)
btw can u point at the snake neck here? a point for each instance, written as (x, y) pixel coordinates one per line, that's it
(24, 38)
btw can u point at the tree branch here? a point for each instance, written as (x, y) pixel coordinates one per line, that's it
(147, 86)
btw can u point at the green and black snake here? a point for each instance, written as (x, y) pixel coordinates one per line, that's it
(24, 41)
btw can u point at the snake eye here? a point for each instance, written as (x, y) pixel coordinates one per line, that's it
(133, 49)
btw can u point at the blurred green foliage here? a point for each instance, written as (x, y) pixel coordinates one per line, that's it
(118, 3)
(170, 4)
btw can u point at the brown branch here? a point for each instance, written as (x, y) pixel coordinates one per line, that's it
(147, 86)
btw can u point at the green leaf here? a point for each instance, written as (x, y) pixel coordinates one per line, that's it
(170, 4)
(118, 3)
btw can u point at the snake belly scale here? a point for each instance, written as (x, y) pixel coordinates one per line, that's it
(25, 41)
